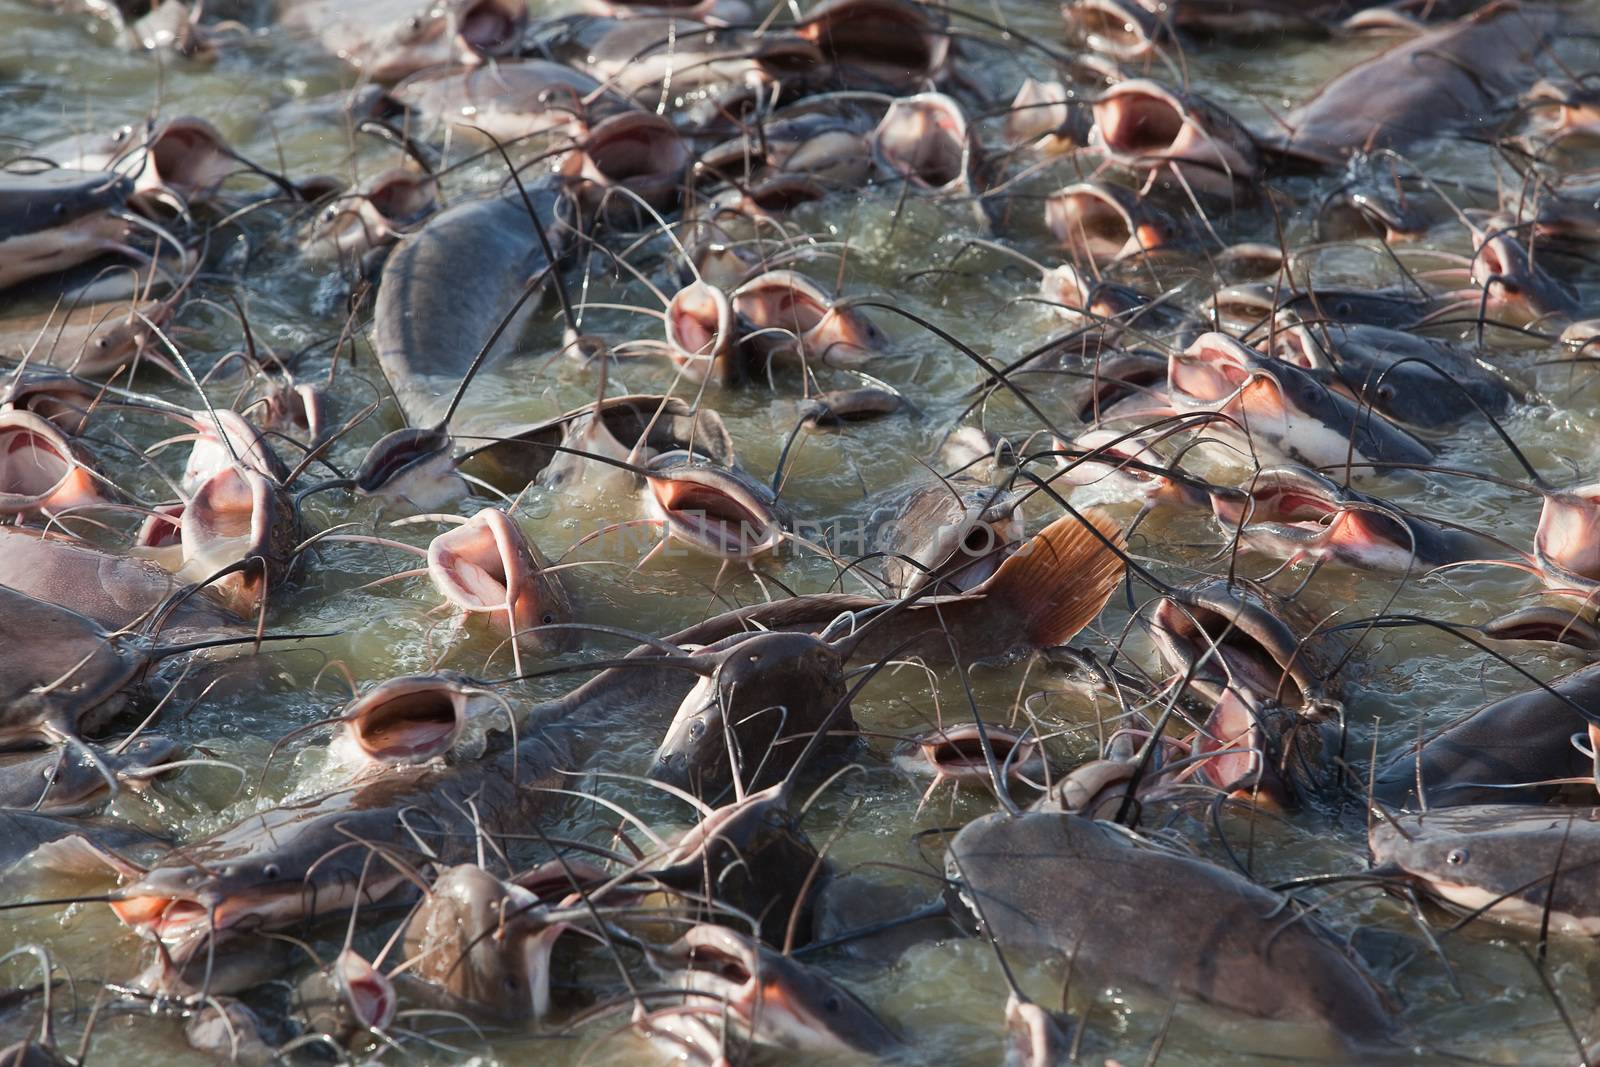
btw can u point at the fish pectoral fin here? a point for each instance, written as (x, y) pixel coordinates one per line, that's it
(77, 855)
(1061, 578)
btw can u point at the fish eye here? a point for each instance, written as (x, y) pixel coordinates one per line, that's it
(832, 1003)
(270, 872)
(548, 619)
(1385, 392)
(1456, 857)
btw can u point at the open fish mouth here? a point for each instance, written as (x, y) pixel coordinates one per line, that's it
(1210, 374)
(635, 150)
(794, 314)
(1094, 221)
(774, 1001)
(956, 753)
(1135, 122)
(490, 27)
(38, 471)
(1231, 741)
(415, 724)
(188, 156)
(889, 40)
(1121, 28)
(486, 566)
(924, 140)
(712, 510)
(1189, 632)
(1568, 534)
(700, 332)
(174, 920)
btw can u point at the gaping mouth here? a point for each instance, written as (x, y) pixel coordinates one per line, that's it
(1280, 505)
(1110, 27)
(893, 38)
(1566, 535)
(1231, 732)
(625, 155)
(403, 199)
(713, 517)
(1550, 625)
(170, 919)
(957, 753)
(161, 528)
(400, 455)
(228, 519)
(1191, 631)
(480, 566)
(408, 726)
(370, 993)
(1206, 373)
(698, 320)
(31, 465)
(488, 28)
(1136, 123)
(635, 149)
(924, 142)
(190, 158)
(781, 304)
(1091, 223)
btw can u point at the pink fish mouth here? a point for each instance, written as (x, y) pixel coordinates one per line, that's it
(1122, 29)
(190, 157)
(407, 726)
(37, 468)
(1208, 373)
(172, 920)
(639, 151)
(1189, 632)
(1088, 218)
(956, 753)
(486, 566)
(1138, 123)
(713, 518)
(1231, 742)
(1568, 535)
(699, 320)
(923, 139)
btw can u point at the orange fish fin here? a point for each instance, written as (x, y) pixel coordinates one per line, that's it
(1061, 578)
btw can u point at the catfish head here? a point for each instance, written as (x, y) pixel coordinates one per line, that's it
(772, 691)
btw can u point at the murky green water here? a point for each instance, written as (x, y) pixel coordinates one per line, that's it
(60, 75)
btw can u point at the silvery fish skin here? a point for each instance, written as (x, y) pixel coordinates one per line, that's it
(1528, 866)
(1129, 915)
(1384, 103)
(428, 324)
(51, 220)
(1515, 750)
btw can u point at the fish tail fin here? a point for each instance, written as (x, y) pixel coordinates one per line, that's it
(1061, 578)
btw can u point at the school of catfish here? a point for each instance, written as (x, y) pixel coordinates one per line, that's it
(647, 532)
